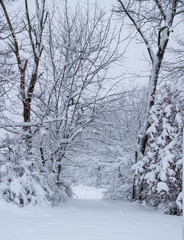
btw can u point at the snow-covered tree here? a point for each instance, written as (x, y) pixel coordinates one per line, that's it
(153, 22)
(24, 180)
(27, 56)
(81, 47)
(62, 88)
(159, 173)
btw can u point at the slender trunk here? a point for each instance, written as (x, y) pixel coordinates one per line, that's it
(27, 105)
(143, 137)
(27, 129)
(58, 173)
(42, 157)
(134, 189)
(59, 167)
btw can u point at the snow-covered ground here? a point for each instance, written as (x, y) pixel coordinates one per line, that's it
(88, 218)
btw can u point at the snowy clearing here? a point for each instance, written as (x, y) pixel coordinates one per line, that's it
(88, 219)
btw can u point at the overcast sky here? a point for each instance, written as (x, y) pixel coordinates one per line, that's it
(135, 54)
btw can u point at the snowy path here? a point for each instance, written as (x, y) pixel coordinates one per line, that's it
(88, 219)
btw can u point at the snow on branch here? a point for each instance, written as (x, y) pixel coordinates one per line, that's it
(29, 124)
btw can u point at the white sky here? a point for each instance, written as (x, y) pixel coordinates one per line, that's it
(134, 56)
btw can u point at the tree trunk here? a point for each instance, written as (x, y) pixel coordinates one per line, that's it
(27, 129)
(143, 137)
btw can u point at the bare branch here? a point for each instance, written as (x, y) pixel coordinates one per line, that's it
(149, 48)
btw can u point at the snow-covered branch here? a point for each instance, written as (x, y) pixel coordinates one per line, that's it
(29, 124)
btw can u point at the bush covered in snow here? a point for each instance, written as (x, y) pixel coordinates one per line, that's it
(23, 179)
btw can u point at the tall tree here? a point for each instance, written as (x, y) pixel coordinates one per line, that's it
(34, 34)
(80, 46)
(153, 21)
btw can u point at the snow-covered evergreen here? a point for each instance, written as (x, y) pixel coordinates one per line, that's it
(159, 173)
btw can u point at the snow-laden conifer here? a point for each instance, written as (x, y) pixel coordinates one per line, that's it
(159, 172)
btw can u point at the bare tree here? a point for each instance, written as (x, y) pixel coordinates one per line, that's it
(81, 47)
(153, 22)
(6, 72)
(34, 34)
(63, 77)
